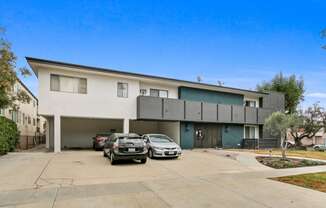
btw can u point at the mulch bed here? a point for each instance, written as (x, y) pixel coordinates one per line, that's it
(279, 163)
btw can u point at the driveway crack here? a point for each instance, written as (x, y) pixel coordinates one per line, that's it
(43, 170)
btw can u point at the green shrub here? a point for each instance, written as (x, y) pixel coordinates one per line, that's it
(9, 135)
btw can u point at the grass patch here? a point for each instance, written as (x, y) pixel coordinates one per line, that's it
(315, 181)
(294, 153)
(279, 163)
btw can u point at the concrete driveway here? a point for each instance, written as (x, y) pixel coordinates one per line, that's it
(200, 178)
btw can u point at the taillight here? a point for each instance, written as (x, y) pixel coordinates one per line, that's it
(115, 146)
(99, 139)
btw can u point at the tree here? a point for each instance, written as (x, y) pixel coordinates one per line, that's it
(308, 123)
(8, 76)
(292, 88)
(278, 124)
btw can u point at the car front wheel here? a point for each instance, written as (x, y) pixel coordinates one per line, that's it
(112, 160)
(143, 160)
(150, 153)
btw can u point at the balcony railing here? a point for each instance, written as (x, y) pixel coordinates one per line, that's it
(155, 108)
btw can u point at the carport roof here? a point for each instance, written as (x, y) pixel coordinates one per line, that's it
(32, 61)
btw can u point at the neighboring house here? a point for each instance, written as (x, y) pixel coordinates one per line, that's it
(29, 123)
(80, 101)
(319, 138)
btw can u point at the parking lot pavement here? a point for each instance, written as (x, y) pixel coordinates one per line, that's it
(199, 178)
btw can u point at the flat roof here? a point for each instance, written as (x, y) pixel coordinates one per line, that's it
(30, 60)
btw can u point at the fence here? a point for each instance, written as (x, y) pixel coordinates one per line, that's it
(262, 143)
(27, 142)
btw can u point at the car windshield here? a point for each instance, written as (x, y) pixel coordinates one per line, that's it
(160, 139)
(129, 137)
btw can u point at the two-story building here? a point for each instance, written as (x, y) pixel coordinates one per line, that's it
(79, 101)
(29, 123)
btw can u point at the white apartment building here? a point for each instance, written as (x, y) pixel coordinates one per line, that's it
(79, 101)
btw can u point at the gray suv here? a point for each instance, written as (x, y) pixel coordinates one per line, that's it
(125, 147)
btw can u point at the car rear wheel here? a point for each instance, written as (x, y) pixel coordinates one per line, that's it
(112, 160)
(143, 160)
(150, 153)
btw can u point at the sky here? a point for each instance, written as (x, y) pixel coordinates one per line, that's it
(240, 43)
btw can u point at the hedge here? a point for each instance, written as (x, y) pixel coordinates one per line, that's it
(9, 135)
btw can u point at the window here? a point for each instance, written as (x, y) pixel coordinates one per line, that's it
(29, 120)
(34, 123)
(158, 93)
(68, 84)
(251, 103)
(16, 88)
(122, 90)
(143, 92)
(34, 103)
(250, 132)
(14, 116)
(24, 118)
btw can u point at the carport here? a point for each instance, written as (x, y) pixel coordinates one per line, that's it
(78, 132)
(169, 128)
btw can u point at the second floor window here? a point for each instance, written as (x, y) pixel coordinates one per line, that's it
(68, 84)
(158, 93)
(122, 90)
(250, 103)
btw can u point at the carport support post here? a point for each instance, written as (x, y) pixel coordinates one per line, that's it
(126, 126)
(47, 134)
(57, 133)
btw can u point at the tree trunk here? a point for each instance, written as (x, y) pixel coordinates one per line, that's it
(283, 146)
(283, 153)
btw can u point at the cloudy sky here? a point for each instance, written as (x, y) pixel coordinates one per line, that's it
(240, 43)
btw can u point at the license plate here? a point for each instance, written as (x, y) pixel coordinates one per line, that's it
(171, 153)
(131, 150)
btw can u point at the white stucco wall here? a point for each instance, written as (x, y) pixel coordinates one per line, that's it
(172, 90)
(101, 100)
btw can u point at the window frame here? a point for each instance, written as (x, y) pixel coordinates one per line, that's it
(158, 90)
(249, 127)
(71, 77)
(127, 89)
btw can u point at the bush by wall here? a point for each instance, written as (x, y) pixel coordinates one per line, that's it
(9, 135)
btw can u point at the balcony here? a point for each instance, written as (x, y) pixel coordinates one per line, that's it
(155, 108)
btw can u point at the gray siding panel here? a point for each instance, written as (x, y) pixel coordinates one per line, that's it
(149, 108)
(209, 112)
(274, 100)
(238, 114)
(181, 110)
(193, 111)
(263, 114)
(224, 113)
(251, 115)
(173, 109)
